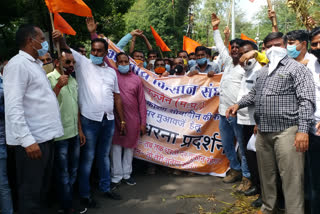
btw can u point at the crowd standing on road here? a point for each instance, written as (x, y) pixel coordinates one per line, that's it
(60, 113)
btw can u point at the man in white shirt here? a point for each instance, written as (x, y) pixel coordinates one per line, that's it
(98, 94)
(245, 117)
(229, 89)
(32, 119)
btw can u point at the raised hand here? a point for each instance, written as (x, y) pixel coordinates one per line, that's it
(136, 32)
(271, 14)
(215, 21)
(56, 35)
(227, 32)
(91, 24)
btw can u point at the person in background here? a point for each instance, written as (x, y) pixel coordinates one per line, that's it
(151, 58)
(81, 49)
(135, 113)
(47, 62)
(32, 119)
(192, 60)
(202, 65)
(184, 55)
(99, 96)
(67, 147)
(159, 67)
(138, 57)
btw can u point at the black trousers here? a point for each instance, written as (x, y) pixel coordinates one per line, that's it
(33, 179)
(251, 156)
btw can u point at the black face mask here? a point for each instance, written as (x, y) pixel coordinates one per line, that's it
(316, 53)
(177, 70)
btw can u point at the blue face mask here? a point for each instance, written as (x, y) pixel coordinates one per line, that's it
(144, 64)
(44, 48)
(192, 62)
(292, 51)
(202, 61)
(123, 68)
(96, 60)
(168, 67)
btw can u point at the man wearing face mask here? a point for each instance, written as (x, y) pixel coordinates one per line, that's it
(135, 113)
(202, 65)
(32, 119)
(98, 95)
(230, 85)
(67, 147)
(284, 99)
(47, 62)
(159, 67)
(297, 46)
(246, 119)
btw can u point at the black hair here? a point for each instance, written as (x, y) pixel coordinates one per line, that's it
(157, 60)
(236, 40)
(208, 51)
(23, 33)
(215, 54)
(120, 54)
(248, 42)
(274, 35)
(191, 54)
(314, 32)
(152, 52)
(182, 51)
(201, 48)
(102, 41)
(137, 51)
(300, 35)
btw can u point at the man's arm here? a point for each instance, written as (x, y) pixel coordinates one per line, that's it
(149, 46)
(119, 110)
(81, 134)
(305, 92)
(226, 36)
(272, 16)
(223, 50)
(15, 84)
(124, 40)
(142, 108)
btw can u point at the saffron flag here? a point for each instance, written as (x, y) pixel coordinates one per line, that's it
(244, 37)
(160, 43)
(189, 45)
(77, 7)
(63, 26)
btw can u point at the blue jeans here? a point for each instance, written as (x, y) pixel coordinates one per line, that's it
(67, 154)
(98, 139)
(228, 130)
(5, 192)
(312, 174)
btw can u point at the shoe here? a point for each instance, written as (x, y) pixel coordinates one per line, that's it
(130, 181)
(88, 203)
(232, 176)
(252, 191)
(114, 186)
(81, 209)
(112, 195)
(257, 203)
(244, 185)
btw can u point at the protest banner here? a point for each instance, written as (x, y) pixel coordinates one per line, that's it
(182, 121)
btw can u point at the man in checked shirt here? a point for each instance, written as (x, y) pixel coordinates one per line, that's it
(284, 99)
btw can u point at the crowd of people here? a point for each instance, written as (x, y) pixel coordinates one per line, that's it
(60, 112)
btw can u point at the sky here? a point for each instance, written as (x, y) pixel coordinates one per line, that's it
(251, 8)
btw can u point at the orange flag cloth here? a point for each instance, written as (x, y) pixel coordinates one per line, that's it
(244, 37)
(77, 7)
(63, 26)
(160, 43)
(189, 45)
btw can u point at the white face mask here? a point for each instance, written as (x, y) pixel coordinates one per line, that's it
(249, 65)
(275, 55)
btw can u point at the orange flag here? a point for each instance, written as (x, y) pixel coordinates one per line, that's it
(244, 37)
(159, 41)
(77, 7)
(62, 25)
(189, 45)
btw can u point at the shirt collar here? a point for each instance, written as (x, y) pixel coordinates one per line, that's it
(29, 57)
(284, 60)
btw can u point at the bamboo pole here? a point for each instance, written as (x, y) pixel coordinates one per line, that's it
(274, 19)
(57, 45)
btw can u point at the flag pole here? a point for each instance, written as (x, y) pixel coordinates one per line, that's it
(160, 52)
(233, 22)
(274, 19)
(57, 45)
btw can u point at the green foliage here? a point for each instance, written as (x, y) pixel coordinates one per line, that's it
(170, 21)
